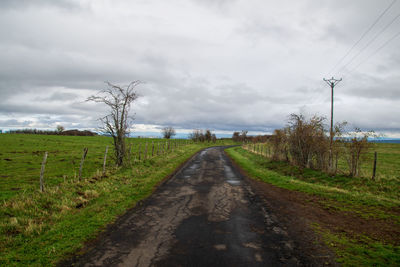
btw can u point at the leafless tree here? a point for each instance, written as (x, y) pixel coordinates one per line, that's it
(213, 138)
(236, 136)
(243, 135)
(118, 121)
(208, 135)
(197, 135)
(60, 129)
(168, 132)
(356, 149)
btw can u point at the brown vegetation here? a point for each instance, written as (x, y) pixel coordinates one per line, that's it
(199, 135)
(74, 132)
(305, 143)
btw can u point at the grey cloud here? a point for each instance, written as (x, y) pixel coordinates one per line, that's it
(237, 65)
(57, 96)
(257, 30)
(371, 87)
(14, 123)
(11, 4)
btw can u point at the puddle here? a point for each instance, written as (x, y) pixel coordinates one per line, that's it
(194, 166)
(233, 182)
(232, 179)
(202, 153)
(229, 173)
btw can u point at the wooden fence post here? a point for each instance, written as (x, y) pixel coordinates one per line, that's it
(85, 150)
(152, 148)
(336, 163)
(104, 161)
(140, 148)
(374, 170)
(42, 172)
(130, 154)
(145, 151)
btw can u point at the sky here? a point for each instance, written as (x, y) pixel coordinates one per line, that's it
(218, 64)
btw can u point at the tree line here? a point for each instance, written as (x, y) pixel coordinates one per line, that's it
(59, 131)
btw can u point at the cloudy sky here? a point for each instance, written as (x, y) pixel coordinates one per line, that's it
(220, 64)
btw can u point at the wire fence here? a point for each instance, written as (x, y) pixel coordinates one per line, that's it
(25, 169)
(369, 167)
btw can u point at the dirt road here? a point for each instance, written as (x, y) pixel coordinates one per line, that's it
(206, 215)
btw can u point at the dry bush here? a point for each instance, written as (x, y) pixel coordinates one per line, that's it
(307, 140)
(356, 149)
(236, 136)
(307, 144)
(279, 144)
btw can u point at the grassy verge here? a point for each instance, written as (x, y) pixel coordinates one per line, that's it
(338, 194)
(39, 229)
(362, 251)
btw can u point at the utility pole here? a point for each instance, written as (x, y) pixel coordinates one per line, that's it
(332, 83)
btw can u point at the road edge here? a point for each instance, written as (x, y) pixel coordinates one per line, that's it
(320, 246)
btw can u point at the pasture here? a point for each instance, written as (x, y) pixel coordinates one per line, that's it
(21, 156)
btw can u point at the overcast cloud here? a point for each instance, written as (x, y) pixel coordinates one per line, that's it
(224, 65)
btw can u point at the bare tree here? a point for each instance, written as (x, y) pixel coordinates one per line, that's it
(168, 132)
(118, 121)
(197, 135)
(356, 149)
(60, 129)
(208, 135)
(243, 135)
(236, 136)
(213, 138)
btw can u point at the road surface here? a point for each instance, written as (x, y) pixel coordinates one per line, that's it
(206, 215)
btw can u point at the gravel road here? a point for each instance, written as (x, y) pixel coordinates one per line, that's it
(205, 215)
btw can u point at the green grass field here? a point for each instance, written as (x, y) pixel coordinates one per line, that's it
(359, 196)
(39, 229)
(388, 163)
(21, 156)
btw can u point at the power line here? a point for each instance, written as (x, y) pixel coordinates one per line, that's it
(370, 42)
(362, 36)
(375, 52)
